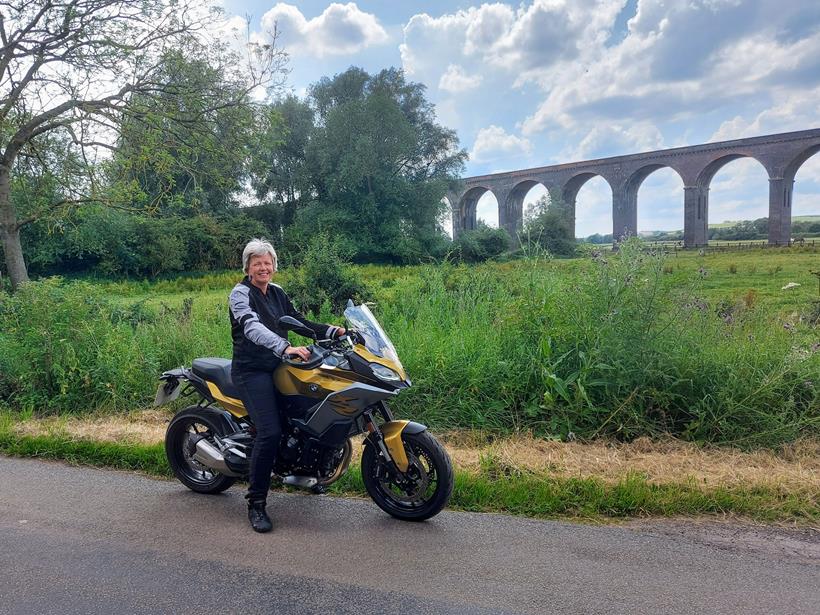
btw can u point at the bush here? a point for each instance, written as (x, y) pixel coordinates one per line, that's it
(480, 244)
(324, 279)
(548, 224)
(112, 243)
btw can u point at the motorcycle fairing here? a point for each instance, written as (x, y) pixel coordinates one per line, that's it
(343, 407)
(231, 404)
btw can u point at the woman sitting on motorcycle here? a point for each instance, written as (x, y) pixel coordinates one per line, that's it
(256, 304)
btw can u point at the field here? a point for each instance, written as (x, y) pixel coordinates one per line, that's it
(730, 223)
(706, 348)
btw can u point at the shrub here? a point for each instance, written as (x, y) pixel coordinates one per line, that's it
(324, 279)
(480, 244)
(548, 224)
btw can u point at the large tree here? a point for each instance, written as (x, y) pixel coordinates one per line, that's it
(382, 163)
(280, 175)
(75, 67)
(183, 153)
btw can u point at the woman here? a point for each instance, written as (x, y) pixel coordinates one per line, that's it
(256, 304)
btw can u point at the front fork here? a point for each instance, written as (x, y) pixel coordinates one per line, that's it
(387, 438)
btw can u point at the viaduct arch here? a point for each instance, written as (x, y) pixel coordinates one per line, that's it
(780, 154)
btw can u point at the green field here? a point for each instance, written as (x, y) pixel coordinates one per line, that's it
(730, 223)
(706, 348)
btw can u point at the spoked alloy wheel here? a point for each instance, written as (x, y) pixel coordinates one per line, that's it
(427, 485)
(180, 445)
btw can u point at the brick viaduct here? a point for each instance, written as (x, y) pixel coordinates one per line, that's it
(780, 154)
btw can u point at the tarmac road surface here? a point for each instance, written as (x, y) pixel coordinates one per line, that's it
(85, 540)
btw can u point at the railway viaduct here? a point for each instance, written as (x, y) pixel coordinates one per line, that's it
(780, 154)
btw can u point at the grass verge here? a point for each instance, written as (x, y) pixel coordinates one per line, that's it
(492, 488)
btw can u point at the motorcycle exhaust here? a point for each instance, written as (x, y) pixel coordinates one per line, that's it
(209, 456)
(303, 482)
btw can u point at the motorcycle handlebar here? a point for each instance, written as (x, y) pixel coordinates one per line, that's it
(316, 357)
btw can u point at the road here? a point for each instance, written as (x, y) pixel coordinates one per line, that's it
(85, 540)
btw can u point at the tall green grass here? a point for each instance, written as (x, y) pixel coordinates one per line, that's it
(618, 345)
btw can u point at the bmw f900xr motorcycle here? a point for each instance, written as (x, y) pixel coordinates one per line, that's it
(340, 392)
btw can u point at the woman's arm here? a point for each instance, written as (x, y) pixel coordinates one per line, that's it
(321, 331)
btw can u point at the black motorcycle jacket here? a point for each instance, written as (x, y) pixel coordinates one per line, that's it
(258, 342)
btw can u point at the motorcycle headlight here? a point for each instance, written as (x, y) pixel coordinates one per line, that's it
(384, 373)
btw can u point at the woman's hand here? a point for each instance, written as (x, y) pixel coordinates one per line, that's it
(340, 331)
(297, 351)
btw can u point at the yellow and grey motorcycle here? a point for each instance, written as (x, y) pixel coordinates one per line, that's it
(341, 391)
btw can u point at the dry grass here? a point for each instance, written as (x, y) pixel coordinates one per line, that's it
(143, 427)
(796, 466)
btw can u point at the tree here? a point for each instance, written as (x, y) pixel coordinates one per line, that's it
(549, 224)
(380, 165)
(279, 171)
(175, 163)
(74, 68)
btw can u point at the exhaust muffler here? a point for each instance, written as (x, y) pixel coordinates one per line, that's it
(210, 456)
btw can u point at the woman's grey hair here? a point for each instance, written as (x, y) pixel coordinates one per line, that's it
(257, 247)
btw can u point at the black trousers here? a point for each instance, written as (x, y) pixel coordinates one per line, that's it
(259, 396)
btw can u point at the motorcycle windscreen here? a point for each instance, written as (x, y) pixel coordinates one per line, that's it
(375, 339)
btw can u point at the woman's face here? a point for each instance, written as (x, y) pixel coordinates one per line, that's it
(260, 269)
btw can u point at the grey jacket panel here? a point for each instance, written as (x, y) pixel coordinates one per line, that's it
(255, 331)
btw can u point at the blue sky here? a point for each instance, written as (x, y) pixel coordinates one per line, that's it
(552, 81)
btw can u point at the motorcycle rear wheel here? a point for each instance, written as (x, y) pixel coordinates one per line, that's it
(180, 437)
(429, 479)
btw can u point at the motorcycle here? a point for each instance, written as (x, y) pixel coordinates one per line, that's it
(340, 392)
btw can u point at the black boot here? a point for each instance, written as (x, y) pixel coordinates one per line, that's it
(260, 522)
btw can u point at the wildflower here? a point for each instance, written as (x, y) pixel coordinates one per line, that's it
(788, 326)
(703, 273)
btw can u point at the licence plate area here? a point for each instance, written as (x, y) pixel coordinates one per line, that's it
(167, 391)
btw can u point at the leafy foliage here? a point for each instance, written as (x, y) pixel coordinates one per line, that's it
(113, 243)
(324, 283)
(480, 244)
(548, 225)
(377, 167)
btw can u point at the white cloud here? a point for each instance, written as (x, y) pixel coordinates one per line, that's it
(494, 142)
(680, 60)
(340, 29)
(456, 80)
(795, 110)
(518, 42)
(612, 139)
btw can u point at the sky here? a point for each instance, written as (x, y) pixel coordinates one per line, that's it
(545, 82)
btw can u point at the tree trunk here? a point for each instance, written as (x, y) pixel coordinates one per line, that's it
(10, 233)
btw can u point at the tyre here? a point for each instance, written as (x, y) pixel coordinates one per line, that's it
(429, 479)
(185, 429)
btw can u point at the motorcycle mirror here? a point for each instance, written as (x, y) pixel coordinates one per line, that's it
(289, 323)
(349, 303)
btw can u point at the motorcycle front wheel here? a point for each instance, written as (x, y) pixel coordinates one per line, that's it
(180, 445)
(423, 491)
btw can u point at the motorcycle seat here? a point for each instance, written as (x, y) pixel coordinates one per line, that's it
(218, 371)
